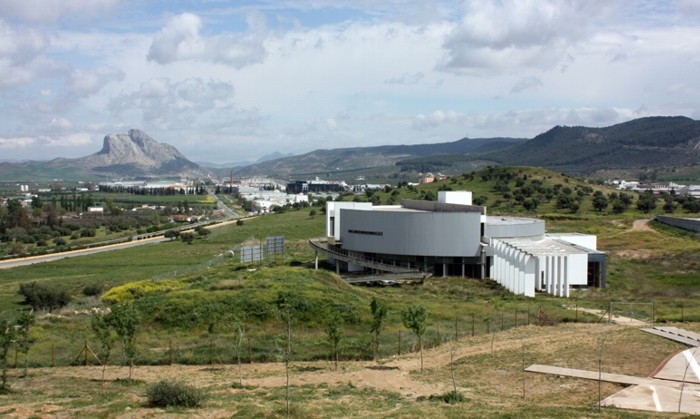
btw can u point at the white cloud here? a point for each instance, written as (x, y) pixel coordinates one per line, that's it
(48, 11)
(47, 146)
(11, 144)
(437, 118)
(189, 104)
(526, 83)
(336, 73)
(84, 83)
(20, 50)
(515, 34)
(180, 39)
(406, 78)
(61, 123)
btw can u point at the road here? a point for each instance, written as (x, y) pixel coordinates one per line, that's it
(12, 263)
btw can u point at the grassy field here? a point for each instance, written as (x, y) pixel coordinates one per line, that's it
(185, 334)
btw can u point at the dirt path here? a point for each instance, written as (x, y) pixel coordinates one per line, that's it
(641, 225)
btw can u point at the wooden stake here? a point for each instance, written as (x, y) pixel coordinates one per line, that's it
(399, 351)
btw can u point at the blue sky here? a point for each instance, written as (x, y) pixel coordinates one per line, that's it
(231, 81)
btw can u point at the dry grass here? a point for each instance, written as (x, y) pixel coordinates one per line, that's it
(488, 371)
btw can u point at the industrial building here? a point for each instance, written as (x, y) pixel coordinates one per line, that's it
(452, 237)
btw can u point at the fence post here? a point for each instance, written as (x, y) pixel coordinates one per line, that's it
(170, 351)
(399, 346)
(472, 325)
(53, 353)
(528, 315)
(250, 352)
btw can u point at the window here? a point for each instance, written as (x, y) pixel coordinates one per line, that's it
(370, 233)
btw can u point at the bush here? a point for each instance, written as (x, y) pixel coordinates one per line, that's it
(92, 290)
(41, 296)
(173, 393)
(451, 397)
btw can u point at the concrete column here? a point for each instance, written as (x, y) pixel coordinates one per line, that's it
(565, 282)
(552, 274)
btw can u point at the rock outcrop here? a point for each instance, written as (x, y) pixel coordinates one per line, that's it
(135, 154)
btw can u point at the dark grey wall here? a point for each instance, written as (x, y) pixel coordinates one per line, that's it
(411, 232)
(692, 224)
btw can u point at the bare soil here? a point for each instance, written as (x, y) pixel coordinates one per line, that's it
(488, 368)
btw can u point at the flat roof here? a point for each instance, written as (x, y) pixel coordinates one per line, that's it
(495, 220)
(545, 247)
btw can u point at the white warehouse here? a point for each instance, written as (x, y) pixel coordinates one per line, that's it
(452, 237)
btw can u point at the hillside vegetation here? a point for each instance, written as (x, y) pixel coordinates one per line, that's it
(199, 305)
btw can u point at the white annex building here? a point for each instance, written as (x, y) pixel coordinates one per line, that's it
(452, 237)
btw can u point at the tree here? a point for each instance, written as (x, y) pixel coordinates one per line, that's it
(238, 327)
(187, 237)
(334, 334)
(126, 320)
(415, 317)
(600, 202)
(669, 206)
(103, 332)
(286, 303)
(24, 322)
(42, 297)
(7, 336)
(378, 310)
(172, 234)
(646, 202)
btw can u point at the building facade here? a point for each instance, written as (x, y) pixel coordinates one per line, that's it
(452, 237)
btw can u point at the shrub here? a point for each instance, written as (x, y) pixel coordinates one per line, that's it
(174, 393)
(92, 290)
(451, 397)
(41, 296)
(133, 290)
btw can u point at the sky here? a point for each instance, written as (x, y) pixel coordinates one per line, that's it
(232, 81)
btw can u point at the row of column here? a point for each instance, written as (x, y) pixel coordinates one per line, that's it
(522, 272)
(554, 278)
(513, 269)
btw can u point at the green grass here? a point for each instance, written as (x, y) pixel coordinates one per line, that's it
(659, 266)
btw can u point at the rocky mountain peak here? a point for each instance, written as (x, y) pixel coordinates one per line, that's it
(136, 154)
(136, 148)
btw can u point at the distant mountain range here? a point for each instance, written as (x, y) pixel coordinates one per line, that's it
(647, 147)
(652, 147)
(322, 162)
